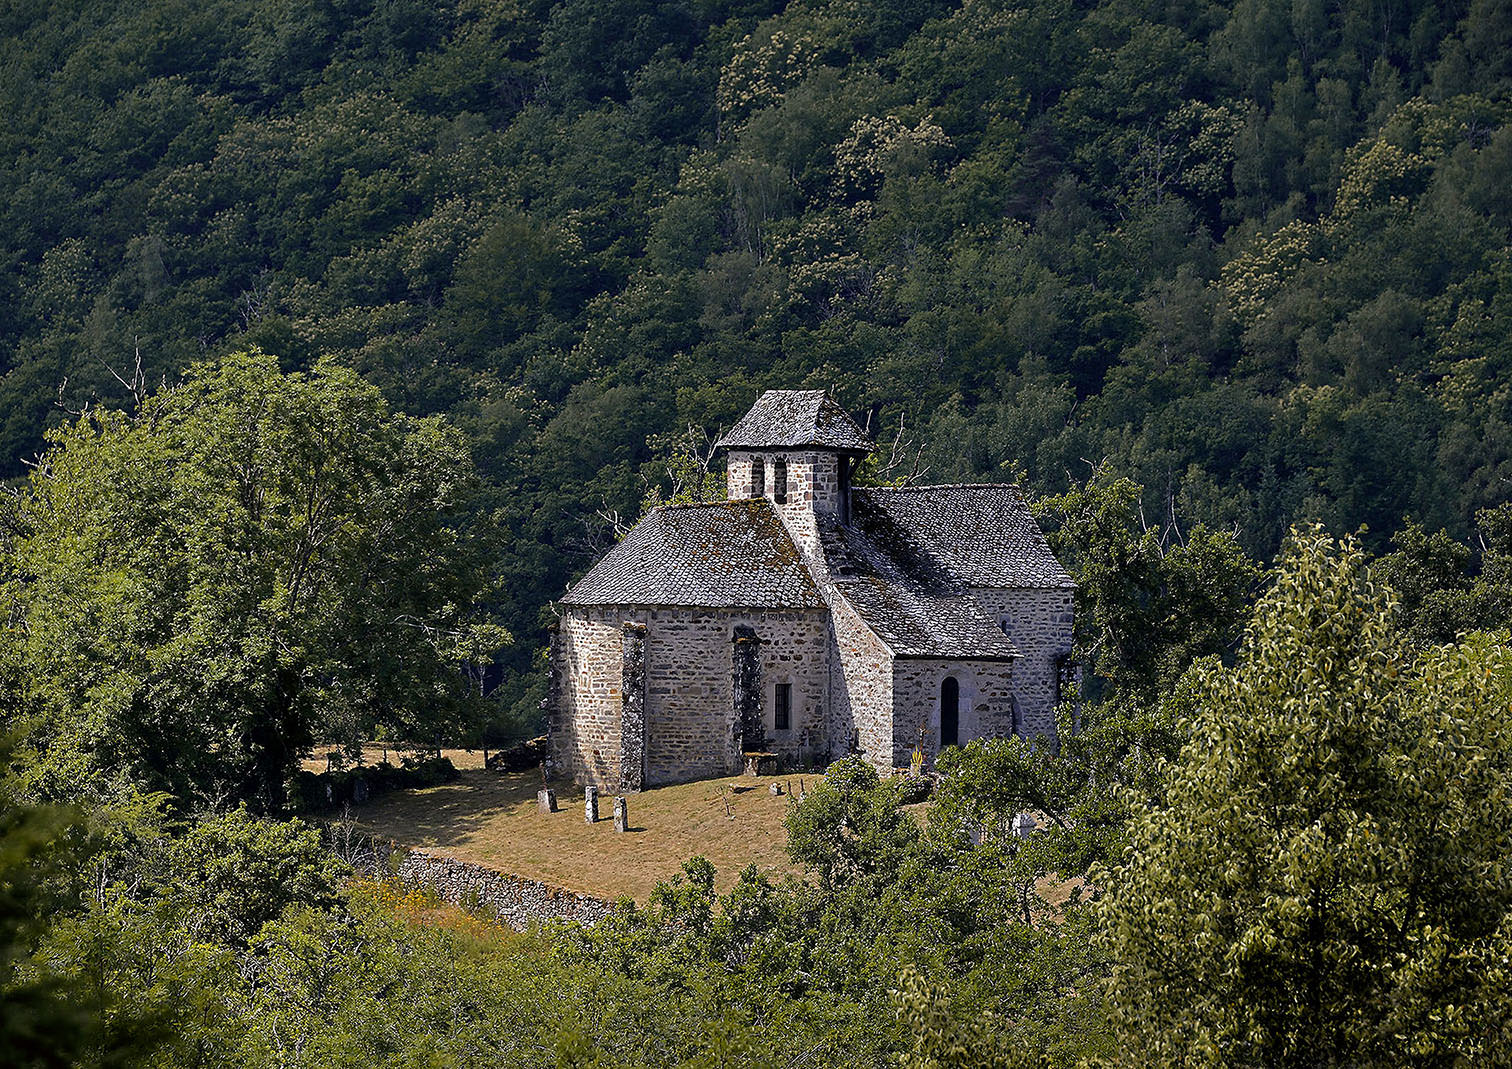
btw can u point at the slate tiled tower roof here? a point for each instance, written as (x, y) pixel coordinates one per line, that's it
(788, 419)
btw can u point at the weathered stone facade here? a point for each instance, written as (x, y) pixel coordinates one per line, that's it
(1039, 623)
(851, 614)
(986, 701)
(692, 726)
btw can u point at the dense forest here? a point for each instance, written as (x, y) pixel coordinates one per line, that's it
(337, 336)
(1253, 255)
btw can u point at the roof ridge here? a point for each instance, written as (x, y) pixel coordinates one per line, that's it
(945, 486)
(668, 505)
(792, 419)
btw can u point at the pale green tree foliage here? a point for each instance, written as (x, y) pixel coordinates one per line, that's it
(1327, 883)
(250, 561)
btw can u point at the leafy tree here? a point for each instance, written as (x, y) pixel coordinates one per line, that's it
(1447, 588)
(1107, 759)
(245, 563)
(233, 873)
(1149, 602)
(41, 1024)
(1325, 883)
(851, 828)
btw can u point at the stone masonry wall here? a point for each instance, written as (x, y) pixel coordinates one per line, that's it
(685, 655)
(691, 725)
(813, 478)
(861, 695)
(1039, 623)
(584, 713)
(738, 477)
(985, 706)
(513, 900)
(633, 706)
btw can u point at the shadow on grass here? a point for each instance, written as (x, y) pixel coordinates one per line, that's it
(451, 813)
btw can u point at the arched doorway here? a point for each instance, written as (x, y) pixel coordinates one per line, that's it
(950, 712)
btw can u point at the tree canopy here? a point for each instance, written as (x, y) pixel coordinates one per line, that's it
(1255, 255)
(244, 564)
(1325, 882)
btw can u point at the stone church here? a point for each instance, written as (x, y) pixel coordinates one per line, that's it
(807, 618)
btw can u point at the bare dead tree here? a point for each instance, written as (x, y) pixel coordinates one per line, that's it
(136, 386)
(616, 522)
(254, 299)
(904, 464)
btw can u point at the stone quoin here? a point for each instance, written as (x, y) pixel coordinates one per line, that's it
(808, 618)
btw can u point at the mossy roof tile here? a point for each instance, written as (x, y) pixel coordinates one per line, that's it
(728, 554)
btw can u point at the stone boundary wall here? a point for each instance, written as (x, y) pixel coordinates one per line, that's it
(512, 900)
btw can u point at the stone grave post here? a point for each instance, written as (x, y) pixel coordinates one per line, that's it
(590, 804)
(546, 800)
(621, 814)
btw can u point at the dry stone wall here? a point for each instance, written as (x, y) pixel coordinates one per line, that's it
(514, 900)
(1039, 623)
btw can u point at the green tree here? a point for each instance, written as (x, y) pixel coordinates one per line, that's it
(850, 830)
(1149, 602)
(231, 874)
(40, 1023)
(1326, 883)
(246, 563)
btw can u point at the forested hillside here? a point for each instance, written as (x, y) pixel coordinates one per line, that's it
(1257, 256)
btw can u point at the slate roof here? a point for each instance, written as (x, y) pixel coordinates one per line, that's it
(914, 615)
(981, 535)
(785, 419)
(729, 554)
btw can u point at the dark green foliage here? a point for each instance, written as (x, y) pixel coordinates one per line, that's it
(1149, 601)
(232, 874)
(41, 1021)
(1448, 588)
(1255, 256)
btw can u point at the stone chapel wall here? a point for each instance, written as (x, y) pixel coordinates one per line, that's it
(691, 726)
(985, 702)
(1039, 623)
(861, 697)
(585, 703)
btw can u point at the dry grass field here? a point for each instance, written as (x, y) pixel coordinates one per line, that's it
(492, 819)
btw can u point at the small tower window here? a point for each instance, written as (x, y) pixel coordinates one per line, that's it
(758, 477)
(782, 718)
(950, 712)
(779, 481)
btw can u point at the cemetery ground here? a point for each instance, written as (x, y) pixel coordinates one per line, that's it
(492, 819)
